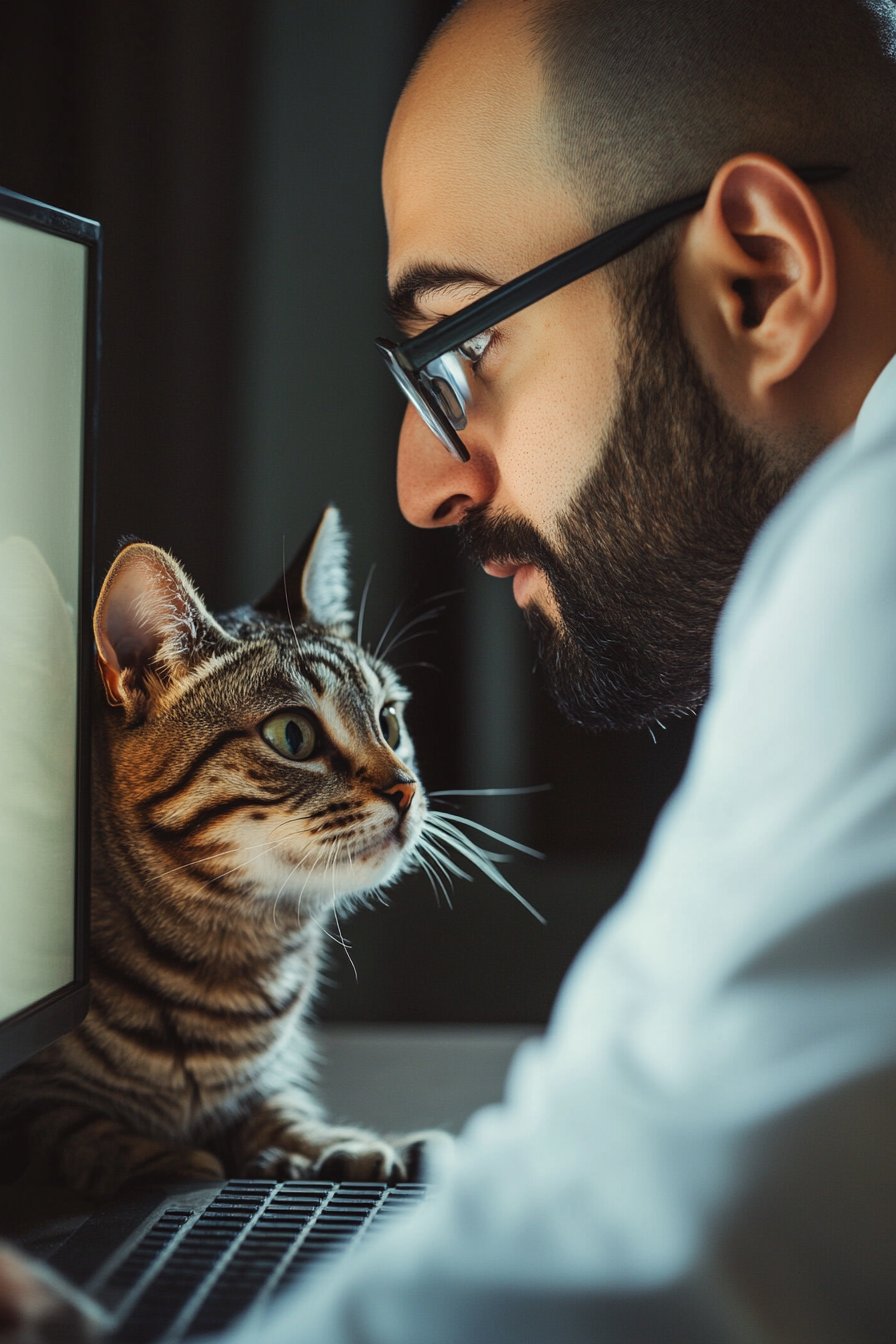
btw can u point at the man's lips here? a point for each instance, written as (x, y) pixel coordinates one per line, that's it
(524, 578)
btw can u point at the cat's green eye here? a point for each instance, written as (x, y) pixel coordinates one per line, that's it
(390, 725)
(291, 734)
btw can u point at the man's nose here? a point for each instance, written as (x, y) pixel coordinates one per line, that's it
(434, 489)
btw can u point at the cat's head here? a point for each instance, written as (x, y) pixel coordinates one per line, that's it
(258, 753)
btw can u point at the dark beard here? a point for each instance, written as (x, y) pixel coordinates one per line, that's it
(649, 548)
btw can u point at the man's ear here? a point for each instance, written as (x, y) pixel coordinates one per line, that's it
(315, 587)
(150, 626)
(757, 277)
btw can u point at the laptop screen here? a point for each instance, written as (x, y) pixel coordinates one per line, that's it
(45, 316)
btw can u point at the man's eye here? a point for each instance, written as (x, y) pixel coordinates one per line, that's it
(476, 346)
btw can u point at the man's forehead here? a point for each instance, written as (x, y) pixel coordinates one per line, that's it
(466, 179)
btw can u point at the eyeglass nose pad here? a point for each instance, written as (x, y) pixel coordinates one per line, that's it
(449, 401)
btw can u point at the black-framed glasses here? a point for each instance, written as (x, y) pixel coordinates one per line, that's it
(428, 368)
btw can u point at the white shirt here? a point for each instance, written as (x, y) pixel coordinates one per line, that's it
(703, 1147)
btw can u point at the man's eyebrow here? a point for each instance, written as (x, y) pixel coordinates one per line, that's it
(403, 304)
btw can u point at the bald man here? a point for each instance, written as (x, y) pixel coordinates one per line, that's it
(685, 410)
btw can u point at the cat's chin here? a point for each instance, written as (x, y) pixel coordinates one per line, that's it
(380, 862)
(372, 866)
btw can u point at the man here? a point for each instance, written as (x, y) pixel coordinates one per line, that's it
(702, 1148)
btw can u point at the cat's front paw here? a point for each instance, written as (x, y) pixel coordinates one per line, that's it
(424, 1154)
(410, 1157)
(276, 1164)
(361, 1159)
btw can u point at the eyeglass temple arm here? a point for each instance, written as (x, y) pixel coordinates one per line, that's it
(560, 271)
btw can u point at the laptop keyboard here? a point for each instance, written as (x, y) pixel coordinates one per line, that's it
(193, 1272)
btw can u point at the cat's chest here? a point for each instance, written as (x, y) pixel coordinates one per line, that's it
(200, 1033)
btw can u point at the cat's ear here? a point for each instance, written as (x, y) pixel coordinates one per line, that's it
(150, 626)
(315, 587)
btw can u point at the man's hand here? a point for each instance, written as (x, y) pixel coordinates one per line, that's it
(37, 1306)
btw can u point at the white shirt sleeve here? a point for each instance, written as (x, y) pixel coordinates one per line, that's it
(704, 1145)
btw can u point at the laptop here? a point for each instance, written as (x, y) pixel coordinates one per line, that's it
(158, 1262)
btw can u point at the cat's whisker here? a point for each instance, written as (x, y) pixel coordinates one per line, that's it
(283, 886)
(428, 871)
(292, 625)
(164, 825)
(473, 854)
(266, 847)
(338, 929)
(429, 614)
(489, 793)
(282, 889)
(445, 862)
(398, 643)
(433, 874)
(492, 855)
(363, 607)
(486, 830)
(436, 597)
(217, 854)
(401, 636)
(289, 821)
(350, 855)
(388, 627)
(304, 885)
(331, 868)
(340, 941)
(453, 838)
(447, 866)
(204, 886)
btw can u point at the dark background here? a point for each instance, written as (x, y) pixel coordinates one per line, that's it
(231, 149)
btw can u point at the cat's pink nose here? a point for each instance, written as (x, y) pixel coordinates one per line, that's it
(401, 795)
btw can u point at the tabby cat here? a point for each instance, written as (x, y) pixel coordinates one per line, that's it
(252, 771)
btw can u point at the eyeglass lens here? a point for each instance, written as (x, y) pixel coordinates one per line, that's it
(439, 394)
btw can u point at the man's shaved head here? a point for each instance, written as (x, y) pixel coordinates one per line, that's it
(646, 99)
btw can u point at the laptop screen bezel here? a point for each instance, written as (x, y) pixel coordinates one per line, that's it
(26, 1032)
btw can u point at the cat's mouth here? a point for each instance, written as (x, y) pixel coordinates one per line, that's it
(378, 847)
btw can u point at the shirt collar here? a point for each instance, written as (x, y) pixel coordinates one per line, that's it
(878, 413)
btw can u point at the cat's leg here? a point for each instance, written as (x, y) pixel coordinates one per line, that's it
(96, 1154)
(285, 1139)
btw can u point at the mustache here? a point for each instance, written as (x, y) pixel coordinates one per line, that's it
(501, 538)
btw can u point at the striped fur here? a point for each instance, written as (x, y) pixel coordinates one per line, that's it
(218, 868)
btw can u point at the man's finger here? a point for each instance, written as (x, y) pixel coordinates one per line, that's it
(38, 1306)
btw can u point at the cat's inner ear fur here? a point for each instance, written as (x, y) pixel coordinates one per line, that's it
(315, 587)
(150, 626)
